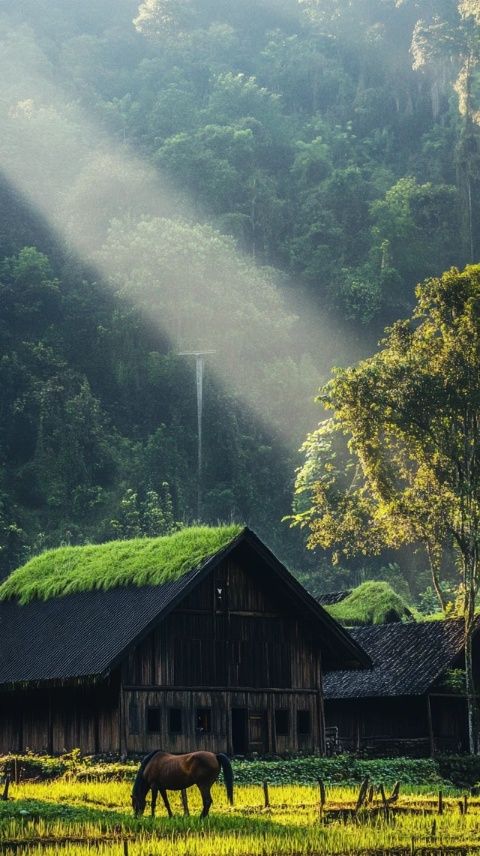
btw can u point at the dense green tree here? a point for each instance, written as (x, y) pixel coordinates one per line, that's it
(147, 517)
(414, 228)
(455, 37)
(301, 131)
(410, 417)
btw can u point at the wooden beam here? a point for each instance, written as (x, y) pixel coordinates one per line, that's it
(50, 724)
(271, 730)
(122, 725)
(430, 727)
(320, 708)
(150, 688)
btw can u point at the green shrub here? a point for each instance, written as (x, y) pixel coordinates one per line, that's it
(461, 771)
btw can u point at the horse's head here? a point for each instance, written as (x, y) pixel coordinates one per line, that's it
(139, 796)
(138, 805)
(141, 786)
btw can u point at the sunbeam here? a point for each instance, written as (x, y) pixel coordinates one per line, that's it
(189, 281)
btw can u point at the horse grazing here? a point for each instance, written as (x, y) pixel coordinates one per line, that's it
(160, 771)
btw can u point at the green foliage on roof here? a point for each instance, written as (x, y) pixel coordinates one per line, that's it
(141, 561)
(370, 603)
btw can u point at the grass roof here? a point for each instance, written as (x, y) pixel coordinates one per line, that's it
(370, 603)
(139, 562)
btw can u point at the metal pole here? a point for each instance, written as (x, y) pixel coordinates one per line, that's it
(200, 366)
(199, 369)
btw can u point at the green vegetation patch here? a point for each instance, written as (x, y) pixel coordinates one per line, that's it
(140, 562)
(370, 603)
(345, 770)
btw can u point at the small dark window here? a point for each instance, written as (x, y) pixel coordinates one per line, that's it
(282, 725)
(154, 720)
(175, 720)
(203, 720)
(304, 723)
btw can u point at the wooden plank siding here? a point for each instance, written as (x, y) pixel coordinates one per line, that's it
(237, 641)
(410, 725)
(239, 667)
(220, 704)
(228, 646)
(61, 719)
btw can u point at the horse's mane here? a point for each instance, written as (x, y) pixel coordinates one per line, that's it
(139, 780)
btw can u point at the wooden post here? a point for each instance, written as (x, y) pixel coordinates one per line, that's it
(323, 794)
(440, 802)
(266, 795)
(120, 717)
(465, 804)
(395, 792)
(50, 725)
(271, 730)
(16, 770)
(431, 736)
(125, 848)
(362, 794)
(320, 708)
(384, 801)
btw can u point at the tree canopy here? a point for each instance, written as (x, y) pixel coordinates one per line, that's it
(410, 417)
(153, 151)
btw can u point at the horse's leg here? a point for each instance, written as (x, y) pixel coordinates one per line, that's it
(154, 799)
(165, 800)
(185, 803)
(204, 789)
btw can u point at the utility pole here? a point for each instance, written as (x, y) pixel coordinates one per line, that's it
(199, 366)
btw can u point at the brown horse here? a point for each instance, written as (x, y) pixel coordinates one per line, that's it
(160, 771)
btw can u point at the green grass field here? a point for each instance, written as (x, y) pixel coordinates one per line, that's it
(70, 816)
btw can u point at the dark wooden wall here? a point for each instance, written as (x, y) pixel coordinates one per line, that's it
(240, 637)
(231, 645)
(61, 719)
(411, 725)
(232, 668)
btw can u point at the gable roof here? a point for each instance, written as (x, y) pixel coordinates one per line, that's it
(407, 659)
(84, 635)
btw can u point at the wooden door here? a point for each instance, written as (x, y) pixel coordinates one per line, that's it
(257, 732)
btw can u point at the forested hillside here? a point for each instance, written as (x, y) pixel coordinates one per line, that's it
(265, 180)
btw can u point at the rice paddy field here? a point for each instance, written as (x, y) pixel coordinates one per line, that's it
(71, 816)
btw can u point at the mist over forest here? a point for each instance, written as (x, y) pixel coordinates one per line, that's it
(267, 180)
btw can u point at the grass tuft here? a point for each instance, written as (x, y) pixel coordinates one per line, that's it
(370, 603)
(139, 562)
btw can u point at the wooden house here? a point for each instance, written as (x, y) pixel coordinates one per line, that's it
(412, 701)
(228, 655)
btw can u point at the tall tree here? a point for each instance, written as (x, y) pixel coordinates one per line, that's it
(411, 416)
(448, 41)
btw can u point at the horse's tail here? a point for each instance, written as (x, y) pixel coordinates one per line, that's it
(227, 775)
